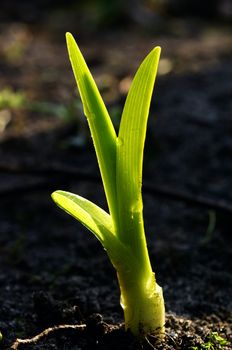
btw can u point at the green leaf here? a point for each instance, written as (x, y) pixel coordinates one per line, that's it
(89, 214)
(99, 223)
(101, 127)
(131, 141)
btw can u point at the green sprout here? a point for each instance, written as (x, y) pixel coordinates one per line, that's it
(120, 160)
(215, 342)
(11, 99)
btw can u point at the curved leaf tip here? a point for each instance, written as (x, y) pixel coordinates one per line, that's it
(68, 36)
(89, 214)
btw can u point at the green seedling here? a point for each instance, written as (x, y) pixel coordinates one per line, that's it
(120, 159)
(11, 99)
(215, 342)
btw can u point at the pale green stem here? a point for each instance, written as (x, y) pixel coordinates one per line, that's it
(142, 302)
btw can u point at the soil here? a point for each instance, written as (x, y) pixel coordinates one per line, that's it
(53, 272)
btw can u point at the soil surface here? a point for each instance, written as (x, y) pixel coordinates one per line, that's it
(52, 271)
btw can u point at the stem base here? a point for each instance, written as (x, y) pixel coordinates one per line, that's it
(144, 309)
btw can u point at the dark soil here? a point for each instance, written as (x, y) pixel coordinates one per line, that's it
(52, 271)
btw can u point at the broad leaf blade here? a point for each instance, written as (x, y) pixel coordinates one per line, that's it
(99, 223)
(131, 141)
(101, 127)
(89, 214)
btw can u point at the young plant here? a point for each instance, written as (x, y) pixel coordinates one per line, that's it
(120, 160)
(214, 342)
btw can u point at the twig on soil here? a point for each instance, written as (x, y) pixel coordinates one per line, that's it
(149, 343)
(58, 171)
(45, 333)
(218, 205)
